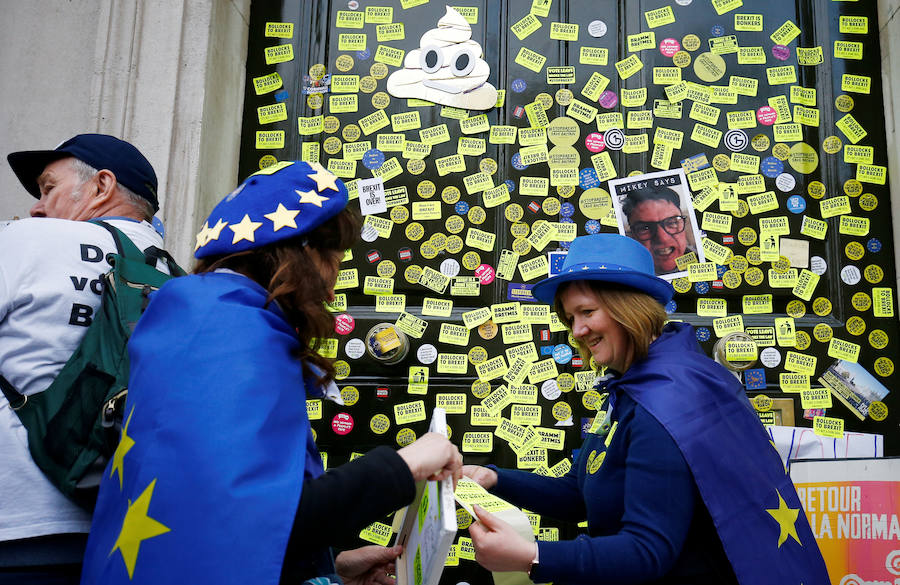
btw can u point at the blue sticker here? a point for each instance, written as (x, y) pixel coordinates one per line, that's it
(873, 245)
(282, 95)
(721, 270)
(702, 333)
(592, 226)
(556, 260)
(565, 245)
(158, 226)
(566, 220)
(510, 185)
(562, 354)
(566, 209)
(364, 54)
(771, 167)
(516, 291)
(516, 162)
(695, 163)
(518, 85)
(546, 350)
(755, 379)
(717, 30)
(373, 159)
(796, 204)
(701, 287)
(671, 307)
(588, 179)
(461, 207)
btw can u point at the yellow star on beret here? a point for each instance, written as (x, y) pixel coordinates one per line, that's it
(282, 217)
(323, 178)
(311, 197)
(244, 229)
(215, 231)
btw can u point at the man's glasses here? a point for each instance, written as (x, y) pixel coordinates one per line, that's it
(644, 230)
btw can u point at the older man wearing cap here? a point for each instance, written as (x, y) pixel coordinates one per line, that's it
(50, 287)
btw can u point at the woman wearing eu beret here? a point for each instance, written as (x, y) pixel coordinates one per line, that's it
(677, 478)
(217, 478)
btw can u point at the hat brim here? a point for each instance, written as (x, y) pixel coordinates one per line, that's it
(29, 164)
(659, 289)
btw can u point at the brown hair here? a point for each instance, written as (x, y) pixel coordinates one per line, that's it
(642, 317)
(287, 269)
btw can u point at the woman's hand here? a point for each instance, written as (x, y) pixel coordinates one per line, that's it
(497, 545)
(483, 476)
(433, 457)
(367, 565)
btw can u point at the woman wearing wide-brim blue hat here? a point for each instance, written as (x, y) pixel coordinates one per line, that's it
(676, 477)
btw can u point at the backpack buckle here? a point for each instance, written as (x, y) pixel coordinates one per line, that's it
(19, 406)
(111, 412)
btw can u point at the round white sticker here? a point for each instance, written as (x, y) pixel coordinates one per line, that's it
(355, 348)
(426, 353)
(785, 182)
(450, 267)
(597, 28)
(550, 390)
(369, 234)
(818, 265)
(683, 2)
(770, 357)
(850, 274)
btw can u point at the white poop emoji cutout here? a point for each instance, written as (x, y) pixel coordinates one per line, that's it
(446, 69)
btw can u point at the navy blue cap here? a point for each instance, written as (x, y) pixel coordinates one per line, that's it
(285, 200)
(100, 151)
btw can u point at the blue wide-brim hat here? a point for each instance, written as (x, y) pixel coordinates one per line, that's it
(608, 258)
(285, 200)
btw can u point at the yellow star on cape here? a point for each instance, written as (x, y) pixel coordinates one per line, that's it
(244, 229)
(125, 445)
(136, 528)
(202, 237)
(787, 520)
(215, 231)
(323, 178)
(311, 197)
(282, 217)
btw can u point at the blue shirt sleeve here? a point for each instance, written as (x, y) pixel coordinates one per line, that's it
(659, 494)
(557, 497)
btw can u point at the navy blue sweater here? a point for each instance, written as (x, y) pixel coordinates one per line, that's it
(646, 521)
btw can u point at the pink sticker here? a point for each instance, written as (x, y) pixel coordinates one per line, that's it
(485, 273)
(766, 115)
(608, 99)
(595, 142)
(344, 324)
(781, 52)
(669, 47)
(342, 423)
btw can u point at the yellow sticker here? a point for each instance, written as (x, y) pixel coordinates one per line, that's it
(709, 67)
(851, 128)
(629, 66)
(524, 27)
(824, 426)
(530, 59)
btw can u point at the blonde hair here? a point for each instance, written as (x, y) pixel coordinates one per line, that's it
(639, 314)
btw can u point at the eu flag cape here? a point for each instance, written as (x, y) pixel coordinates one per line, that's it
(738, 472)
(216, 444)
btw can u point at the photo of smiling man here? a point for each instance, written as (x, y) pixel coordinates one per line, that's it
(655, 209)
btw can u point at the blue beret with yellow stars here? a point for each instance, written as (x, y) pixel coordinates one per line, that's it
(285, 200)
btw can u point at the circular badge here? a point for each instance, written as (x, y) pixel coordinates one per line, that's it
(368, 234)
(795, 309)
(477, 355)
(485, 274)
(314, 101)
(594, 142)
(721, 162)
(854, 250)
(380, 424)
(709, 67)
(488, 330)
(736, 140)
(781, 151)
(803, 340)
(832, 145)
(785, 182)
(563, 131)
(595, 463)
(373, 159)
(873, 245)
(590, 399)
(731, 279)
(332, 145)
(367, 84)
(355, 348)
(544, 99)
(873, 273)
(691, 42)
(487, 165)
(738, 264)
(454, 244)
(884, 367)
(608, 99)
(266, 161)
(771, 167)
(878, 339)
(565, 382)
(471, 260)
(681, 285)
(450, 267)
(331, 124)
(760, 143)
(551, 206)
(717, 30)
(796, 204)
(853, 188)
(868, 202)
(405, 437)
(878, 410)
(592, 226)
(481, 389)
(850, 274)
(426, 354)
(861, 301)
(521, 246)
(519, 229)
(561, 410)
(770, 357)
(762, 403)
(597, 28)
(747, 236)
(669, 47)
(781, 52)
(822, 332)
(681, 59)
(342, 423)
(344, 324)
(415, 166)
(450, 194)
(766, 115)
(562, 353)
(614, 139)
(350, 395)
(476, 215)
(463, 520)
(399, 214)
(426, 189)
(341, 369)
(595, 203)
(381, 100)
(816, 189)
(378, 70)
(414, 231)
(844, 103)
(818, 265)
(782, 265)
(565, 191)
(804, 159)
(753, 256)
(413, 273)
(564, 96)
(351, 132)
(754, 276)
(855, 325)
(821, 306)
(438, 240)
